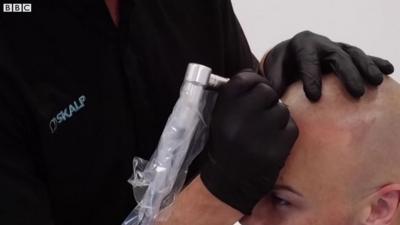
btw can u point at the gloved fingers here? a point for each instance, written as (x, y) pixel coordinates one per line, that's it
(290, 134)
(273, 67)
(384, 65)
(287, 137)
(310, 73)
(307, 47)
(342, 64)
(260, 97)
(368, 69)
(293, 133)
(242, 83)
(278, 116)
(249, 70)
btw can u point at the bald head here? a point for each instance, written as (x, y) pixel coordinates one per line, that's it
(344, 168)
(369, 127)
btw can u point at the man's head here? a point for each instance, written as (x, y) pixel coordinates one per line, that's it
(345, 166)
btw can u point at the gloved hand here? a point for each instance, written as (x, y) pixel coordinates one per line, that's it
(251, 135)
(307, 56)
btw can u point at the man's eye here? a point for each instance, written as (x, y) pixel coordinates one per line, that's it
(277, 201)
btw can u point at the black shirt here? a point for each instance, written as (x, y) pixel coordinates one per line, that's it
(79, 98)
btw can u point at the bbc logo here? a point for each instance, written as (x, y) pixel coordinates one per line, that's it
(14, 7)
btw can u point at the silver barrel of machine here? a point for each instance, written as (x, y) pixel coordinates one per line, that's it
(157, 182)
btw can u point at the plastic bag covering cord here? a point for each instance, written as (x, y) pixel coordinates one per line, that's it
(157, 182)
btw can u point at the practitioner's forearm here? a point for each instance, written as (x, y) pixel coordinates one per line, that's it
(197, 206)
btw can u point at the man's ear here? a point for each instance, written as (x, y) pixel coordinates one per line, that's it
(384, 206)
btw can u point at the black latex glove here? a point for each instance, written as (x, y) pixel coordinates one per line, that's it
(307, 56)
(251, 135)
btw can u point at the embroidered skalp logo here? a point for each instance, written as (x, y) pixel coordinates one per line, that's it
(67, 113)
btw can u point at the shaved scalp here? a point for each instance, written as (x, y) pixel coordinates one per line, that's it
(370, 126)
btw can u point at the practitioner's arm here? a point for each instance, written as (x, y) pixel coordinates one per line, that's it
(195, 205)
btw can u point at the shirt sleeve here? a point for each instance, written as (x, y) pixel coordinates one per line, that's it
(23, 197)
(238, 53)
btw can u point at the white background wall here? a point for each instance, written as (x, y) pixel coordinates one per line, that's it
(372, 25)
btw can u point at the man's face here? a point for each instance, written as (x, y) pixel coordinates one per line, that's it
(317, 184)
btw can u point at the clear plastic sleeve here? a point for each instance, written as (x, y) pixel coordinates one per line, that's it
(157, 182)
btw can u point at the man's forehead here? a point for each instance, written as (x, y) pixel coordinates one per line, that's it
(335, 134)
(318, 159)
(321, 158)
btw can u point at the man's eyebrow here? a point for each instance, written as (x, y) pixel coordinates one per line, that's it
(288, 188)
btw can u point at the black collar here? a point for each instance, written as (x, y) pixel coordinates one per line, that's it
(95, 13)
